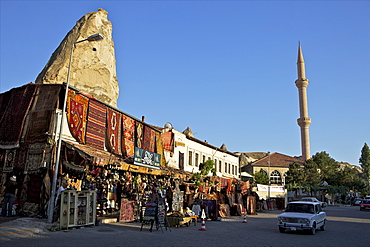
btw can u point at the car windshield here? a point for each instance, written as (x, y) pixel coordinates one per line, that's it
(366, 201)
(300, 208)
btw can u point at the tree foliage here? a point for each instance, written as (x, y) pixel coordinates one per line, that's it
(328, 167)
(294, 174)
(323, 171)
(295, 177)
(261, 177)
(204, 170)
(365, 160)
(312, 178)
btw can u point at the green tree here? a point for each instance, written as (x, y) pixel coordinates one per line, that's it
(350, 180)
(365, 160)
(312, 178)
(328, 167)
(294, 174)
(261, 177)
(294, 177)
(204, 170)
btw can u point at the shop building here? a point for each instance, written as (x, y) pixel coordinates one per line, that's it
(101, 146)
(275, 166)
(184, 152)
(125, 161)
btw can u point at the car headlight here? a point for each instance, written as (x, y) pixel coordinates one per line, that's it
(304, 221)
(280, 219)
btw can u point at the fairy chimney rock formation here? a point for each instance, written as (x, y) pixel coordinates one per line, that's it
(93, 68)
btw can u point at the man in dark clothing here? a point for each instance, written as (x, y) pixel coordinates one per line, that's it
(11, 188)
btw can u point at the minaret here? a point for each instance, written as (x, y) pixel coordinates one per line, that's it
(304, 121)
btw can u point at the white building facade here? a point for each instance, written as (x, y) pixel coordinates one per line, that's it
(187, 153)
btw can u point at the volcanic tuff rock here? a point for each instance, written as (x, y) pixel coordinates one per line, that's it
(93, 68)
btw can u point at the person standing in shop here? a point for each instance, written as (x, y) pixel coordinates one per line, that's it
(11, 189)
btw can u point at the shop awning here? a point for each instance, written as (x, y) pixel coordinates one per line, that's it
(104, 158)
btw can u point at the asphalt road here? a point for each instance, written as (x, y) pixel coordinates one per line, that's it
(346, 226)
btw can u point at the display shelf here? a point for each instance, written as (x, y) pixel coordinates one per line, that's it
(78, 208)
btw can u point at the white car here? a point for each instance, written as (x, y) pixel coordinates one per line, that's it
(302, 215)
(313, 199)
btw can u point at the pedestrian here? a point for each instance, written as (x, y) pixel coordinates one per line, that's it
(11, 189)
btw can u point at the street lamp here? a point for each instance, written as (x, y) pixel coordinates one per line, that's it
(94, 37)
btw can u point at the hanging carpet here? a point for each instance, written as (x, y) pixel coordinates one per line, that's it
(114, 131)
(128, 145)
(76, 114)
(41, 113)
(96, 119)
(149, 139)
(14, 106)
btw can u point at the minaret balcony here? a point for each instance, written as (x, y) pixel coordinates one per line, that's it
(302, 83)
(304, 121)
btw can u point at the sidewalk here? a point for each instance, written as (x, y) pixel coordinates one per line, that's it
(20, 227)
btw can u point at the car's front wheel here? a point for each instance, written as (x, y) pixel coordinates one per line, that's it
(313, 229)
(281, 229)
(322, 228)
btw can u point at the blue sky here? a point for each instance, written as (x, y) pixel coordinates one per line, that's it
(225, 68)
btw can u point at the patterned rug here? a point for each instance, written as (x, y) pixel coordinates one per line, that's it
(139, 135)
(13, 114)
(128, 136)
(159, 148)
(46, 97)
(34, 188)
(167, 141)
(41, 113)
(149, 139)
(76, 114)
(114, 131)
(38, 125)
(96, 120)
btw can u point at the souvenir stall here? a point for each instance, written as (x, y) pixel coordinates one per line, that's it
(217, 197)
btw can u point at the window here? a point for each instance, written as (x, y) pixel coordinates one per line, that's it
(220, 166)
(229, 167)
(225, 167)
(216, 165)
(196, 159)
(275, 177)
(190, 158)
(204, 158)
(181, 161)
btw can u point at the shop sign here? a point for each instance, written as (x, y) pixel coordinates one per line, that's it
(146, 158)
(181, 144)
(262, 187)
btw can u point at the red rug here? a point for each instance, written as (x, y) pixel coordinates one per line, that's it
(149, 139)
(128, 136)
(167, 141)
(114, 131)
(95, 129)
(76, 114)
